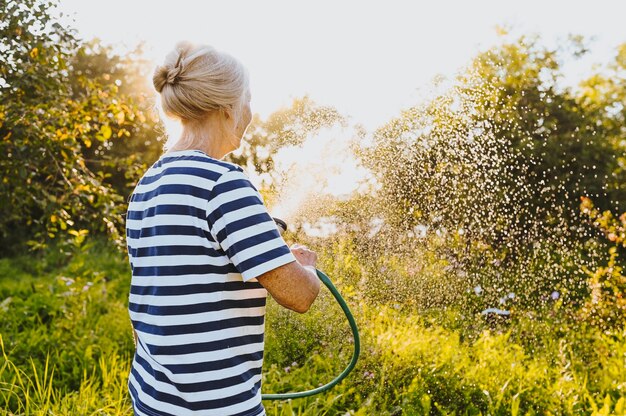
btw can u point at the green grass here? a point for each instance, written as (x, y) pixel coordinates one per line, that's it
(66, 350)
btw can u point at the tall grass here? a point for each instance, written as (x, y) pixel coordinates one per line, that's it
(67, 346)
(32, 391)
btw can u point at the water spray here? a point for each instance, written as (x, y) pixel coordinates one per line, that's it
(282, 227)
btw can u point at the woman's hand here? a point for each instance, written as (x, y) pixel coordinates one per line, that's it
(294, 285)
(304, 256)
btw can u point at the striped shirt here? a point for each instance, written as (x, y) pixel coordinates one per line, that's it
(198, 235)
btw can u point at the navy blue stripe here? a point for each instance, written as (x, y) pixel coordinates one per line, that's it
(167, 209)
(202, 157)
(262, 258)
(235, 226)
(232, 185)
(214, 365)
(199, 386)
(193, 289)
(184, 270)
(170, 230)
(234, 205)
(198, 307)
(256, 410)
(199, 405)
(182, 170)
(177, 189)
(142, 406)
(252, 241)
(205, 346)
(199, 327)
(175, 251)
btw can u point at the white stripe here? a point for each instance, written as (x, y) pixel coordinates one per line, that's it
(136, 410)
(196, 396)
(247, 232)
(197, 318)
(230, 216)
(162, 406)
(237, 215)
(176, 179)
(184, 339)
(181, 411)
(200, 376)
(180, 260)
(253, 251)
(213, 167)
(242, 407)
(169, 240)
(188, 279)
(167, 219)
(267, 266)
(235, 194)
(201, 357)
(233, 175)
(168, 199)
(192, 299)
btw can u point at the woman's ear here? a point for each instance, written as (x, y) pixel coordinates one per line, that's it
(227, 120)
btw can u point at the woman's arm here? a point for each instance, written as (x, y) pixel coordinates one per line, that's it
(294, 285)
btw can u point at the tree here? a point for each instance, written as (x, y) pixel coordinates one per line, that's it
(123, 159)
(606, 306)
(60, 126)
(500, 161)
(505, 154)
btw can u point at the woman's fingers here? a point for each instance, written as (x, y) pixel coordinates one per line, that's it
(304, 256)
(299, 248)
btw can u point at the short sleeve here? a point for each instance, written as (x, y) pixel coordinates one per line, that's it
(239, 222)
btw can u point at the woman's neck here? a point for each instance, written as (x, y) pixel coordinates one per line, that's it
(208, 136)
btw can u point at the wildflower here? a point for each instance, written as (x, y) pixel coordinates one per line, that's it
(68, 281)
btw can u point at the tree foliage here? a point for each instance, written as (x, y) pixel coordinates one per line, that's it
(606, 307)
(508, 151)
(71, 137)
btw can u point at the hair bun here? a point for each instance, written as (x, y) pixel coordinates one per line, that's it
(168, 75)
(205, 79)
(160, 78)
(174, 73)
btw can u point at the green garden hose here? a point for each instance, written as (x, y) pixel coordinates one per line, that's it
(355, 355)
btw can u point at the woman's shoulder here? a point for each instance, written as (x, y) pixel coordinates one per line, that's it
(188, 167)
(194, 159)
(230, 167)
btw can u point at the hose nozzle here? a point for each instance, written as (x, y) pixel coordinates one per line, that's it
(282, 225)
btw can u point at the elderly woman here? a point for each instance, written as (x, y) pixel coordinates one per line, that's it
(204, 252)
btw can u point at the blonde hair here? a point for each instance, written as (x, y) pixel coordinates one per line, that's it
(195, 80)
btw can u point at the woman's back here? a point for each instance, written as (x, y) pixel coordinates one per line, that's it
(198, 236)
(204, 252)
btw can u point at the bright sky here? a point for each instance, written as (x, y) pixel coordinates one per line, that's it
(365, 58)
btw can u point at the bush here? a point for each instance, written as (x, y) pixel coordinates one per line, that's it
(62, 125)
(606, 306)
